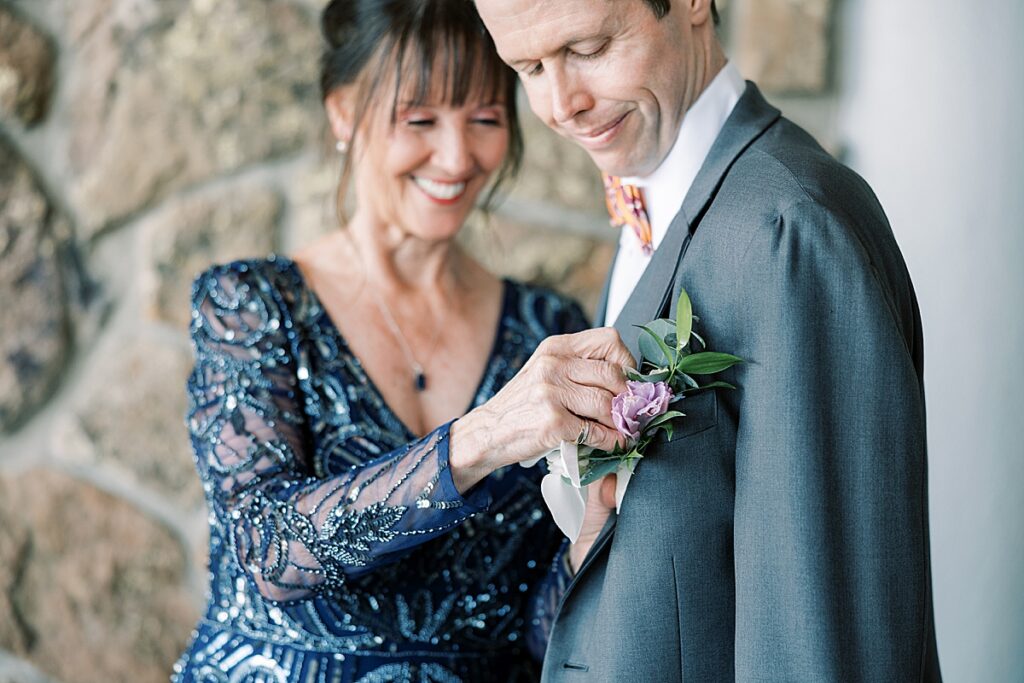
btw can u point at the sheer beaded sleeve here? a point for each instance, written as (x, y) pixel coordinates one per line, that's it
(292, 532)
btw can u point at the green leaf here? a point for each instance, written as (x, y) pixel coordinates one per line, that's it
(659, 375)
(667, 427)
(713, 385)
(689, 381)
(606, 456)
(633, 375)
(664, 417)
(663, 327)
(684, 319)
(654, 349)
(707, 363)
(599, 469)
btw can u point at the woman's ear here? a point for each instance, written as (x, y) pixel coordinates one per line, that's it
(340, 112)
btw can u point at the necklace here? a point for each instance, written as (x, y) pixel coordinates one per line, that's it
(419, 376)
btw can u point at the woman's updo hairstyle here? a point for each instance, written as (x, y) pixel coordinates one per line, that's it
(394, 43)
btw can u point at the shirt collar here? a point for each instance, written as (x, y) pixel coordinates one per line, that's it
(666, 187)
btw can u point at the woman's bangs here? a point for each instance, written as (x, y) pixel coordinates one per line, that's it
(449, 65)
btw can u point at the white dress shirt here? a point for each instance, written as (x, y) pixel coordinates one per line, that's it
(666, 187)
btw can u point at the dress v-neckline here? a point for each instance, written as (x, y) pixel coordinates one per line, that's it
(506, 292)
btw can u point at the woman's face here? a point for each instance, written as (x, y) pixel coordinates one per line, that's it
(423, 172)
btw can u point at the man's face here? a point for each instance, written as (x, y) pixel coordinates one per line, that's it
(606, 74)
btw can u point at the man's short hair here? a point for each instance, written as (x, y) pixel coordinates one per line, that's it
(661, 7)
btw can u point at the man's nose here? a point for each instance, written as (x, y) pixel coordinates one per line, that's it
(568, 98)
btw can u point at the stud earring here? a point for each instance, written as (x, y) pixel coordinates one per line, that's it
(341, 146)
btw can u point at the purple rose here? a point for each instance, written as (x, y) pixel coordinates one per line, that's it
(640, 403)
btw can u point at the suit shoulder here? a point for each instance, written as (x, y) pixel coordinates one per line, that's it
(786, 167)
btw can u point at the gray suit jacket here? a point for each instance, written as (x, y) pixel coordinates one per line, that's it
(782, 533)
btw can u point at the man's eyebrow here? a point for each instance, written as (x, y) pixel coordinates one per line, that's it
(595, 35)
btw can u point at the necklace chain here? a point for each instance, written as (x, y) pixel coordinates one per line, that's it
(417, 368)
(419, 374)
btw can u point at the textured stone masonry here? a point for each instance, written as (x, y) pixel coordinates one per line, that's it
(34, 336)
(26, 69)
(783, 45)
(140, 141)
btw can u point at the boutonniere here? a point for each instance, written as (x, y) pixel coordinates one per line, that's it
(672, 357)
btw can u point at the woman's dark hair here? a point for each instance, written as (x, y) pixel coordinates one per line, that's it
(399, 43)
(661, 8)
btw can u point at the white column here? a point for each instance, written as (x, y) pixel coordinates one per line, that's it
(932, 110)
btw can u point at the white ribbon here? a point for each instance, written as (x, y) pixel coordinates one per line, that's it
(565, 497)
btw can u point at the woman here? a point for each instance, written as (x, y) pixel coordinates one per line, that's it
(356, 532)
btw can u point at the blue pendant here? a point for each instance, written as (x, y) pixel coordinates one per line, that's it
(420, 382)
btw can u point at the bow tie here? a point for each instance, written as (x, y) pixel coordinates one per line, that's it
(626, 207)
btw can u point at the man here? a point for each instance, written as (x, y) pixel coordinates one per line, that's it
(782, 534)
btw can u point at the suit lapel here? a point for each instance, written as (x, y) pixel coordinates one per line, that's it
(751, 117)
(647, 299)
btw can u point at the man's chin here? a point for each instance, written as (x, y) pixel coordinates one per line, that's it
(617, 163)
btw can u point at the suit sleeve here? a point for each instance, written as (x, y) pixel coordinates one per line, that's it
(831, 556)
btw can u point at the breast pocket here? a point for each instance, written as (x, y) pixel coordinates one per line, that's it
(701, 414)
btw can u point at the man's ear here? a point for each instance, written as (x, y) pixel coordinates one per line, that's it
(341, 112)
(699, 11)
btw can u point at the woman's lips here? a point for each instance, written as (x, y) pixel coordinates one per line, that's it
(445, 193)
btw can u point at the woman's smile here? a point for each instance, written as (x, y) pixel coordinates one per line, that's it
(440, 191)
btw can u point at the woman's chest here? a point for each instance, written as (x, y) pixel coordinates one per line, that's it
(348, 419)
(423, 379)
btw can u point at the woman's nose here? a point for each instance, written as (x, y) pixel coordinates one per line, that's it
(454, 153)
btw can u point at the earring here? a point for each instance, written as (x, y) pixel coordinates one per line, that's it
(341, 146)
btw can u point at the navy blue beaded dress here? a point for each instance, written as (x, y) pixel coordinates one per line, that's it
(340, 549)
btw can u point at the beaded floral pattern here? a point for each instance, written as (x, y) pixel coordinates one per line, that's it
(340, 549)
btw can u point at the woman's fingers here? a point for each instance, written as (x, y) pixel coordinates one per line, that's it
(601, 437)
(589, 403)
(569, 379)
(602, 343)
(573, 410)
(596, 373)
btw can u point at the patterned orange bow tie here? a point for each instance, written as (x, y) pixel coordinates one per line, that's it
(626, 207)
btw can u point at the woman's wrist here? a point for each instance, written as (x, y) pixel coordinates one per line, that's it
(471, 450)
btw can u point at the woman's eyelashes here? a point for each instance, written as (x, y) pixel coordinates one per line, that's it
(491, 119)
(419, 121)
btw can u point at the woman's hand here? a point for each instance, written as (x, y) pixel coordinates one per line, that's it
(563, 391)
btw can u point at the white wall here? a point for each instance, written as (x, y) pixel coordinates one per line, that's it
(932, 110)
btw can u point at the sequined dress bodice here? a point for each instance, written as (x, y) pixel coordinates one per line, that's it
(340, 549)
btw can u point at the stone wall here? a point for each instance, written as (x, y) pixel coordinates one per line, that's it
(141, 140)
